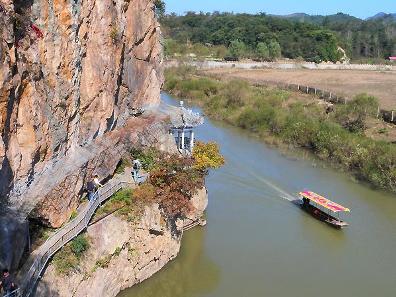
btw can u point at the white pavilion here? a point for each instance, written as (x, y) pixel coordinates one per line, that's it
(183, 123)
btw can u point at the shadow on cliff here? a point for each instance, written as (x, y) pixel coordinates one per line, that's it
(14, 238)
(192, 273)
(22, 5)
(43, 290)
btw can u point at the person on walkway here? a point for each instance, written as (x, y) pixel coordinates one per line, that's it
(136, 166)
(97, 182)
(91, 189)
(8, 284)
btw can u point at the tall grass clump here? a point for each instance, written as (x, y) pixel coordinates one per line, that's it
(68, 258)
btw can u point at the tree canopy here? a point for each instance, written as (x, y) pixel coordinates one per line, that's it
(314, 38)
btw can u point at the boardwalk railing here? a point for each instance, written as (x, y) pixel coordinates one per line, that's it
(39, 259)
(15, 293)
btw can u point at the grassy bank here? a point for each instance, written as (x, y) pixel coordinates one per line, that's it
(337, 136)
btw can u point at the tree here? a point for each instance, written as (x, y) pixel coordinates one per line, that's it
(275, 51)
(262, 51)
(237, 49)
(171, 47)
(308, 38)
(207, 156)
(159, 7)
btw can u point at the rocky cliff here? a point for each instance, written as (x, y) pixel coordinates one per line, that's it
(74, 78)
(122, 254)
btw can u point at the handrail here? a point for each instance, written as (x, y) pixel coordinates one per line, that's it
(43, 254)
(15, 293)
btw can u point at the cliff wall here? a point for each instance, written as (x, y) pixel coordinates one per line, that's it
(74, 76)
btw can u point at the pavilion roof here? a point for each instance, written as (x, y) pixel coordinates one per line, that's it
(183, 117)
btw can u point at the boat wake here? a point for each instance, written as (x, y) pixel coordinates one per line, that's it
(264, 185)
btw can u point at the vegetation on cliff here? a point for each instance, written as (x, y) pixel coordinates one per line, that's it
(275, 114)
(175, 179)
(68, 258)
(207, 156)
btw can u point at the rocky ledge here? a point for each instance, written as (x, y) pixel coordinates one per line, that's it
(132, 253)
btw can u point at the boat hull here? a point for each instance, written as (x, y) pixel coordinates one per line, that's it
(321, 215)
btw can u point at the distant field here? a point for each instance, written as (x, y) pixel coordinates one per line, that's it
(346, 83)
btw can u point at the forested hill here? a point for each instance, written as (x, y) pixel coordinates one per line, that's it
(313, 38)
(371, 38)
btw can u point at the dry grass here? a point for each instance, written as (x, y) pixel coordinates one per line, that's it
(381, 84)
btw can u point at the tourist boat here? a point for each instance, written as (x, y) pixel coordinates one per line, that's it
(323, 209)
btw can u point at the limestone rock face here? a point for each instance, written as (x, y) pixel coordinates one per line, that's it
(72, 73)
(134, 254)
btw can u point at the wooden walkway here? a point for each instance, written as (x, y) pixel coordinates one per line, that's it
(37, 262)
(35, 265)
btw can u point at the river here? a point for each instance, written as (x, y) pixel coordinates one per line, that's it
(258, 244)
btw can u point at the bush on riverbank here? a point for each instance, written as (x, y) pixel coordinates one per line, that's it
(336, 137)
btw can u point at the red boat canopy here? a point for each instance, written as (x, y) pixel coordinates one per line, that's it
(326, 203)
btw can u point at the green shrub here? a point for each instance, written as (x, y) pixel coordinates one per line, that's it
(237, 49)
(73, 215)
(121, 201)
(124, 196)
(147, 157)
(382, 131)
(104, 262)
(65, 261)
(354, 114)
(79, 245)
(236, 93)
(68, 258)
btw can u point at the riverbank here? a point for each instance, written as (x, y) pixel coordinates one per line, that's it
(342, 80)
(279, 118)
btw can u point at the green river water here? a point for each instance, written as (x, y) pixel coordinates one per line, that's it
(257, 243)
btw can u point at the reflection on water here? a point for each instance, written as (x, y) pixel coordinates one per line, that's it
(191, 274)
(262, 245)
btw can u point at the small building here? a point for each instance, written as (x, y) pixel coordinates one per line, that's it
(392, 58)
(183, 123)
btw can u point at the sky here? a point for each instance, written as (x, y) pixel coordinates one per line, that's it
(358, 8)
